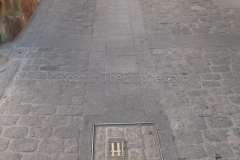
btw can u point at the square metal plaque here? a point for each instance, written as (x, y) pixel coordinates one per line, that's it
(134, 141)
(116, 148)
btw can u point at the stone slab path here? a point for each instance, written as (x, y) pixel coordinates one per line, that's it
(85, 62)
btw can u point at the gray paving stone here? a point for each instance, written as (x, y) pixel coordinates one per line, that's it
(121, 64)
(76, 122)
(65, 132)
(236, 132)
(31, 120)
(191, 152)
(170, 153)
(3, 144)
(221, 91)
(235, 100)
(66, 156)
(50, 68)
(230, 83)
(62, 41)
(196, 93)
(166, 138)
(124, 115)
(10, 156)
(24, 83)
(220, 68)
(23, 145)
(43, 110)
(70, 110)
(72, 146)
(192, 137)
(216, 135)
(51, 146)
(221, 61)
(219, 122)
(208, 84)
(8, 120)
(236, 148)
(231, 75)
(211, 76)
(196, 123)
(40, 132)
(220, 149)
(15, 132)
(50, 56)
(33, 55)
(236, 89)
(198, 62)
(36, 156)
(123, 89)
(18, 109)
(200, 69)
(41, 61)
(30, 68)
(56, 121)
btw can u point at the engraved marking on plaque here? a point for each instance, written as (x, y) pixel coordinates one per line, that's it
(116, 149)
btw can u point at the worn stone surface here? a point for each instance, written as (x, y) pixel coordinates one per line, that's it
(174, 63)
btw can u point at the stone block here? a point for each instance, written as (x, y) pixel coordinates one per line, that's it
(211, 76)
(15, 132)
(18, 109)
(192, 137)
(221, 61)
(219, 122)
(43, 110)
(236, 132)
(236, 67)
(40, 132)
(216, 135)
(56, 121)
(197, 93)
(222, 150)
(71, 146)
(66, 156)
(36, 156)
(10, 156)
(23, 145)
(65, 132)
(208, 84)
(51, 146)
(31, 120)
(223, 68)
(191, 152)
(235, 100)
(196, 123)
(3, 144)
(8, 120)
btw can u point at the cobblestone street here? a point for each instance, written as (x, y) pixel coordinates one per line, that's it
(79, 63)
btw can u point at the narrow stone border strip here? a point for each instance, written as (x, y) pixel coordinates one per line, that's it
(7, 74)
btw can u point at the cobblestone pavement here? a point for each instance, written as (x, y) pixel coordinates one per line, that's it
(84, 62)
(140, 142)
